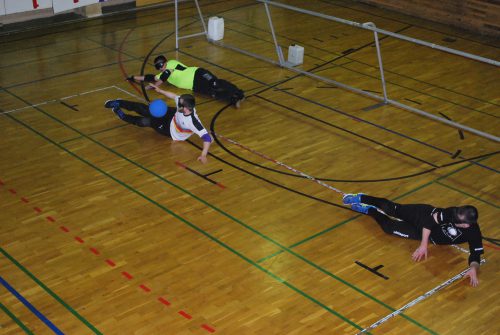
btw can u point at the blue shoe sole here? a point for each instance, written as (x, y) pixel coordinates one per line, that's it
(361, 208)
(350, 199)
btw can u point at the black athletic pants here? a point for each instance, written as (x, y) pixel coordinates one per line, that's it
(405, 228)
(160, 125)
(207, 83)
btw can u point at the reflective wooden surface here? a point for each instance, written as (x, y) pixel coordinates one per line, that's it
(109, 228)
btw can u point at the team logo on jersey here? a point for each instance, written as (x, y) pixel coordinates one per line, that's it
(451, 231)
(400, 234)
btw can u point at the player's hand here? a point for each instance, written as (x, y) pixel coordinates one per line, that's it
(420, 253)
(472, 274)
(130, 78)
(153, 87)
(203, 159)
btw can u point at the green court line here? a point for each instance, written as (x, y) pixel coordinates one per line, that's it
(270, 256)
(49, 291)
(210, 206)
(467, 194)
(396, 198)
(202, 201)
(444, 100)
(16, 320)
(371, 66)
(310, 237)
(164, 208)
(437, 180)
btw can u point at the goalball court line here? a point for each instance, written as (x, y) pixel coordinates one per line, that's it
(232, 218)
(183, 220)
(50, 292)
(55, 100)
(426, 295)
(15, 319)
(400, 310)
(417, 300)
(75, 95)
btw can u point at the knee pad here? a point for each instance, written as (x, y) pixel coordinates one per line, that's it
(208, 76)
(144, 122)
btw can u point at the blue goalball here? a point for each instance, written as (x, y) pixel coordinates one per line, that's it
(158, 108)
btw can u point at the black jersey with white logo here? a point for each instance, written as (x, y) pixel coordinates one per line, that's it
(448, 233)
(421, 216)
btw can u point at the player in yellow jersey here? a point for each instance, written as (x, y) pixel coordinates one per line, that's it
(192, 78)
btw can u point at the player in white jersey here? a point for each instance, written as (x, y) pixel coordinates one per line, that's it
(178, 123)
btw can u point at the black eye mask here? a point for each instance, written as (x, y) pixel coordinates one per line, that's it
(159, 65)
(450, 215)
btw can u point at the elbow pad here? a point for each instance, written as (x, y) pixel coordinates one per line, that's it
(207, 138)
(149, 78)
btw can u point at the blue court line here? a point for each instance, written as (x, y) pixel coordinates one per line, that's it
(31, 307)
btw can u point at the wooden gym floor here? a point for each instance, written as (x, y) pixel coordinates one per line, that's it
(107, 228)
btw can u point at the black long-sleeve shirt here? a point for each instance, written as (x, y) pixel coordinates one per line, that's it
(446, 233)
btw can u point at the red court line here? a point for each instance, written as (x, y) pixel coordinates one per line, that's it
(220, 185)
(491, 246)
(145, 288)
(208, 328)
(180, 164)
(94, 251)
(127, 275)
(110, 262)
(164, 301)
(186, 315)
(120, 63)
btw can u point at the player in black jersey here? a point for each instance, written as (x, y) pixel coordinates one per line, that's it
(452, 225)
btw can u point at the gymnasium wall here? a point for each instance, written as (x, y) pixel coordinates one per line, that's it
(12, 11)
(480, 16)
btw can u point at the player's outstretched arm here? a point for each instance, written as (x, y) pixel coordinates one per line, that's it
(421, 252)
(165, 93)
(204, 152)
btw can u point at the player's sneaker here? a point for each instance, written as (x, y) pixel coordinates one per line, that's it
(362, 208)
(238, 103)
(350, 198)
(118, 112)
(112, 104)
